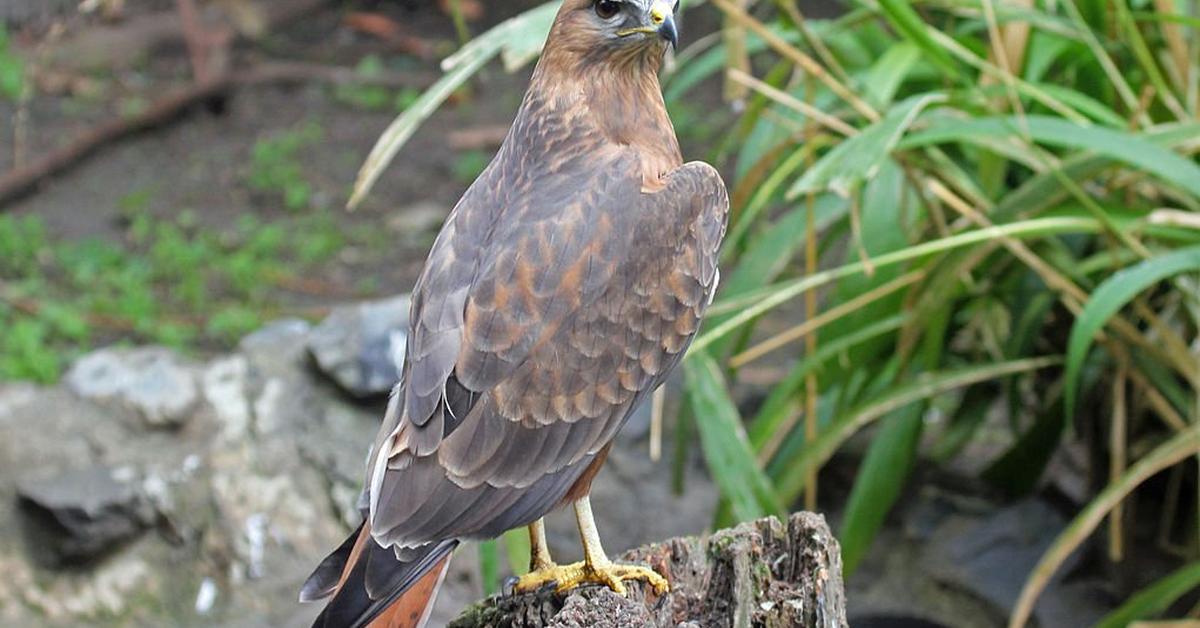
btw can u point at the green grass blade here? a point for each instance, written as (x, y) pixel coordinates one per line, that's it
(1018, 470)
(778, 406)
(519, 33)
(1181, 446)
(753, 305)
(879, 482)
(885, 77)
(857, 159)
(908, 22)
(927, 385)
(516, 547)
(1154, 599)
(726, 448)
(1121, 146)
(489, 566)
(1109, 298)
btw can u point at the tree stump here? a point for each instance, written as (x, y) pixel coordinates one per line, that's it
(763, 573)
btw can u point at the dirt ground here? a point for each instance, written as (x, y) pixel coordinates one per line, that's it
(200, 162)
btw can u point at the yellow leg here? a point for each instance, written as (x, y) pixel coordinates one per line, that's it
(539, 551)
(595, 568)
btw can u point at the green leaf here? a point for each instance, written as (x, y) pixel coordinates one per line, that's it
(925, 386)
(1154, 599)
(908, 22)
(753, 305)
(1110, 297)
(1180, 447)
(780, 402)
(1134, 150)
(726, 448)
(880, 481)
(489, 566)
(1017, 471)
(12, 70)
(517, 548)
(519, 38)
(858, 158)
(884, 78)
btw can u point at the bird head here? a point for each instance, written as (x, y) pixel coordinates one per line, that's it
(623, 28)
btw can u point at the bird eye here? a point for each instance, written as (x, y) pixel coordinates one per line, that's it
(607, 8)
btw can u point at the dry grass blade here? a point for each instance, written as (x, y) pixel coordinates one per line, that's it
(1168, 454)
(1117, 460)
(805, 62)
(826, 120)
(737, 56)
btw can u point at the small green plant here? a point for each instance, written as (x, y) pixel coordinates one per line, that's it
(12, 70)
(169, 282)
(469, 164)
(276, 166)
(365, 95)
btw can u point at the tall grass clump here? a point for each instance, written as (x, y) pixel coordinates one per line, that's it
(949, 215)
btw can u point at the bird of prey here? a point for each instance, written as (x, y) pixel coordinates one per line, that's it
(564, 287)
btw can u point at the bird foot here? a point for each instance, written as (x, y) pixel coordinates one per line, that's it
(568, 577)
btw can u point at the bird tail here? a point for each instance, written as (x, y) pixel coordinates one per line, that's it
(372, 588)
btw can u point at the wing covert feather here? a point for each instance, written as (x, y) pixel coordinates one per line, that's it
(572, 310)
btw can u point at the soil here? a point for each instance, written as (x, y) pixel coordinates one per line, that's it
(200, 162)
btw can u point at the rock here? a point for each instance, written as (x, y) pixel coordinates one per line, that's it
(278, 347)
(225, 389)
(361, 347)
(990, 558)
(81, 515)
(764, 573)
(153, 381)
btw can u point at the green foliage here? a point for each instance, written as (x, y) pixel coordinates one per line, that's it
(373, 96)
(168, 282)
(1154, 599)
(974, 194)
(469, 164)
(928, 315)
(12, 70)
(276, 167)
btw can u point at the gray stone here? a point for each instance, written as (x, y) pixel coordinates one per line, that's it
(992, 557)
(153, 381)
(80, 515)
(361, 347)
(278, 347)
(226, 390)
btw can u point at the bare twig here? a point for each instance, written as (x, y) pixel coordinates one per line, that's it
(21, 181)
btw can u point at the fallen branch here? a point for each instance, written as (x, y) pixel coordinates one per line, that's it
(20, 181)
(758, 574)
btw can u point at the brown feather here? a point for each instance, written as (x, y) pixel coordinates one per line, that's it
(564, 287)
(413, 608)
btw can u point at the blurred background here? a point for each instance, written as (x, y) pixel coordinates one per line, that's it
(959, 316)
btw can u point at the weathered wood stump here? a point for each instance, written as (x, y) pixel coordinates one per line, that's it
(763, 573)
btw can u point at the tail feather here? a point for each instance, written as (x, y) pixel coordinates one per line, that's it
(413, 608)
(327, 576)
(377, 590)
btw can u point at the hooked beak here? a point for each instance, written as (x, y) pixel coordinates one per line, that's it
(660, 21)
(662, 17)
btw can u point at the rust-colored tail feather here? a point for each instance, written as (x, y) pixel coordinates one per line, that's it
(371, 588)
(414, 606)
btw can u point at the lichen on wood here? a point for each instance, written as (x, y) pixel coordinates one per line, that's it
(764, 573)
